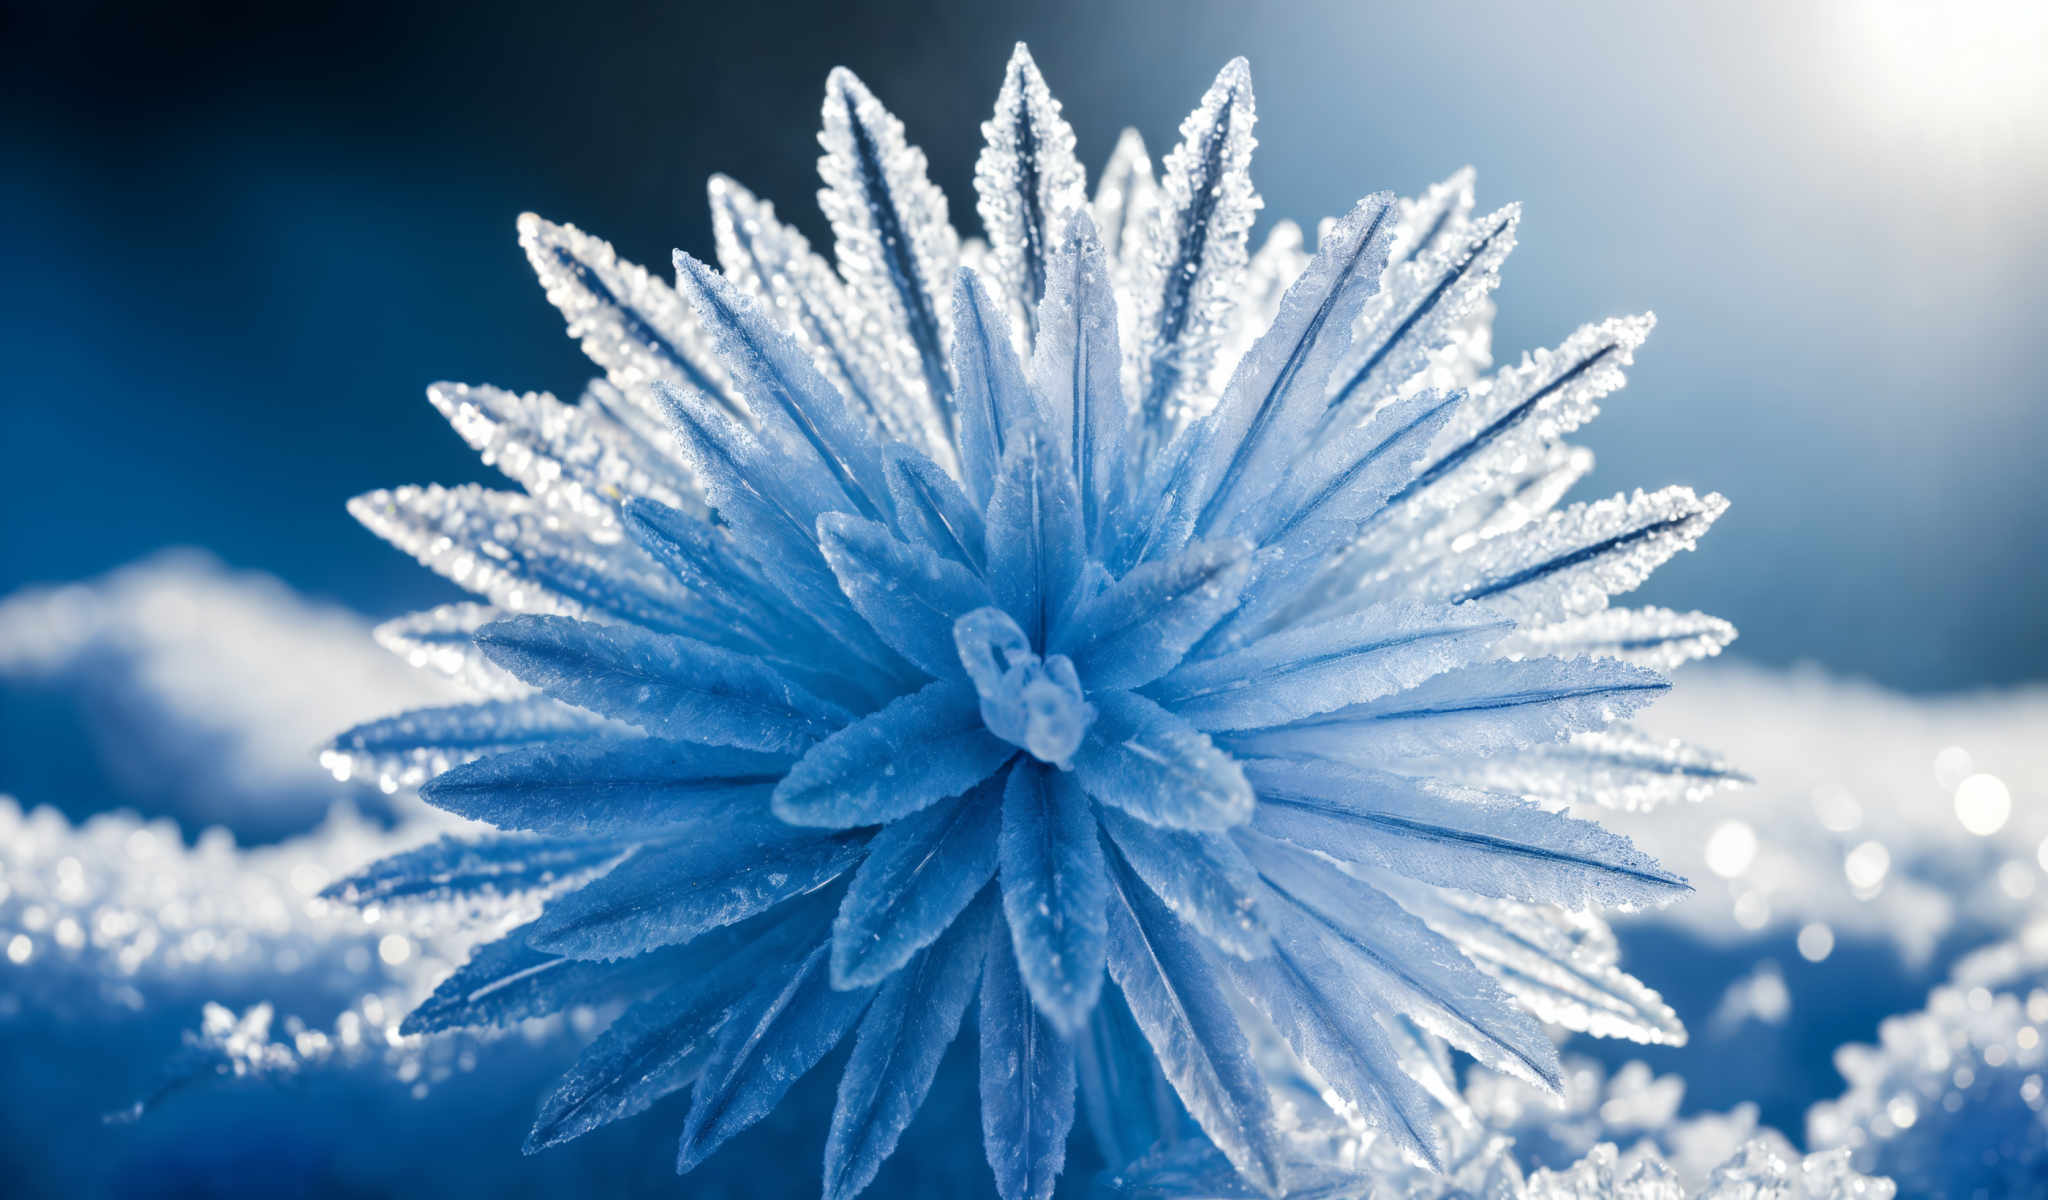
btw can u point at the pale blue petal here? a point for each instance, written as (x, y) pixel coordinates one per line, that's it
(670, 686)
(1202, 877)
(919, 873)
(450, 867)
(778, 1031)
(1027, 1083)
(609, 787)
(1178, 999)
(897, 1051)
(1140, 627)
(917, 751)
(1455, 837)
(930, 507)
(671, 892)
(907, 593)
(1155, 766)
(1054, 890)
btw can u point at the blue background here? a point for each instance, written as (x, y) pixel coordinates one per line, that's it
(239, 242)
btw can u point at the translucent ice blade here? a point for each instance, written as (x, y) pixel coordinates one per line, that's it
(1144, 623)
(907, 593)
(993, 401)
(671, 892)
(405, 749)
(1475, 710)
(1126, 196)
(1275, 397)
(1402, 963)
(931, 508)
(456, 866)
(772, 262)
(1319, 668)
(1424, 302)
(562, 458)
(778, 1031)
(1656, 638)
(659, 1045)
(1202, 877)
(1075, 368)
(792, 403)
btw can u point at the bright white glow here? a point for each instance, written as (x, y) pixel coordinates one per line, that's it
(19, 949)
(1866, 866)
(1952, 766)
(1730, 849)
(394, 948)
(1983, 803)
(1816, 942)
(1948, 66)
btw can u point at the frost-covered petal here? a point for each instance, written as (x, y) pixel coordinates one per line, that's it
(909, 594)
(608, 787)
(917, 751)
(1027, 1083)
(1317, 668)
(895, 246)
(766, 258)
(1075, 368)
(918, 874)
(1028, 183)
(777, 1031)
(1138, 629)
(1475, 710)
(896, 1054)
(1425, 300)
(1404, 964)
(1618, 766)
(459, 866)
(506, 981)
(1178, 997)
(629, 322)
(1560, 966)
(670, 892)
(1313, 1001)
(1275, 397)
(1126, 195)
(1191, 254)
(785, 394)
(1572, 561)
(406, 748)
(931, 508)
(670, 686)
(1454, 837)
(1203, 877)
(1141, 758)
(1035, 547)
(657, 1046)
(1656, 638)
(1054, 891)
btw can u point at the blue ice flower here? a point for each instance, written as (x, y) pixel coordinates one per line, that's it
(1103, 625)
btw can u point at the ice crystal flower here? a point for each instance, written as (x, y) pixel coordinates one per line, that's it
(1104, 625)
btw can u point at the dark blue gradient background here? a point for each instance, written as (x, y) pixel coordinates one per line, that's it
(238, 242)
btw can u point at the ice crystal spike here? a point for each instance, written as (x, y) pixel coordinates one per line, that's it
(1029, 184)
(1177, 654)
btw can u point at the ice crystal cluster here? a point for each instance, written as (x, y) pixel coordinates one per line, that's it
(1174, 652)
